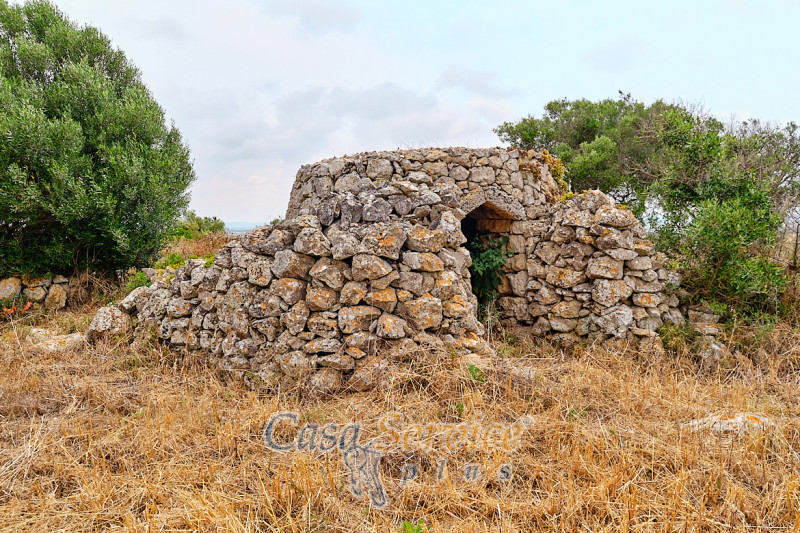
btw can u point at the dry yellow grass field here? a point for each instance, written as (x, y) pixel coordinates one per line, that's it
(113, 437)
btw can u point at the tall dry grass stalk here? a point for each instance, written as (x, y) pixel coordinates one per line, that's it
(143, 439)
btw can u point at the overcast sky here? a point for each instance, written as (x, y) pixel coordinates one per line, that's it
(259, 87)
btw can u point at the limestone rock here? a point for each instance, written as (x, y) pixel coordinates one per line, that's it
(295, 319)
(423, 261)
(421, 239)
(259, 271)
(385, 241)
(289, 264)
(617, 321)
(564, 277)
(325, 381)
(370, 373)
(567, 309)
(311, 241)
(289, 289)
(738, 424)
(330, 272)
(391, 327)
(646, 299)
(35, 294)
(712, 353)
(610, 292)
(344, 245)
(379, 169)
(323, 325)
(424, 312)
(327, 345)
(357, 318)
(135, 299)
(296, 364)
(385, 299)
(56, 297)
(321, 298)
(352, 293)
(604, 267)
(107, 321)
(368, 267)
(10, 288)
(617, 218)
(60, 343)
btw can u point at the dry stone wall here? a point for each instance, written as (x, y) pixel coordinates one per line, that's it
(588, 270)
(50, 291)
(370, 265)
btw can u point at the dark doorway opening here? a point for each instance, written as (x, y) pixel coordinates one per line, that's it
(486, 229)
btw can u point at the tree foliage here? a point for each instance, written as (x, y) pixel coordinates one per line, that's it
(90, 174)
(714, 194)
(193, 226)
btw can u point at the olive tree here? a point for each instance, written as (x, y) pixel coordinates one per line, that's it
(91, 176)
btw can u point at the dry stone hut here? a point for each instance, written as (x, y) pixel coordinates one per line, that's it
(371, 262)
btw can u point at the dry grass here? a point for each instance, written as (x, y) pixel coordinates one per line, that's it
(198, 246)
(141, 439)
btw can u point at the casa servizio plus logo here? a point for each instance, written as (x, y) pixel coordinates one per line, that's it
(363, 459)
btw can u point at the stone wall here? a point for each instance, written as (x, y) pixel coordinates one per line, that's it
(370, 265)
(586, 268)
(50, 291)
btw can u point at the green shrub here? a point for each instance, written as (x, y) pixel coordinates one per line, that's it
(488, 258)
(181, 233)
(91, 176)
(723, 252)
(173, 260)
(140, 279)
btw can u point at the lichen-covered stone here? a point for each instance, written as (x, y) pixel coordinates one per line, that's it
(323, 325)
(617, 218)
(421, 239)
(391, 327)
(564, 277)
(424, 312)
(617, 321)
(56, 297)
(330, 272)
(423, 261)
(384, 299)
(604, 267)
(610, 292)
(385, 241)
(352, 293)
(357, 318)
(321, 298)
(368, 267)
(35, 294)
(289, 264)
(10, 287)
(289, 289)
(294, 320)
(107, 321)
(567, 309)
(311, 241)
(259, 271)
